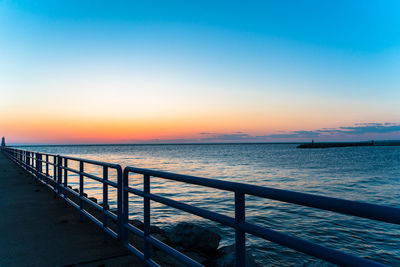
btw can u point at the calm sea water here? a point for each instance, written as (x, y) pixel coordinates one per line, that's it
(370, 174)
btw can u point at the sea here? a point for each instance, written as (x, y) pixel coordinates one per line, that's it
(369, 174)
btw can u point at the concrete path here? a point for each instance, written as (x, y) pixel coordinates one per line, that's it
(37, 229)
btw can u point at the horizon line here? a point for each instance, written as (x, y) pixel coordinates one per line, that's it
(190, 143)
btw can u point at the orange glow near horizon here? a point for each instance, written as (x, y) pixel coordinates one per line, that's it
(78, 130)
(58, 128)
(93, 119)
(44, 128)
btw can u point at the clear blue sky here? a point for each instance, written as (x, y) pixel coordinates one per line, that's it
(169, 70)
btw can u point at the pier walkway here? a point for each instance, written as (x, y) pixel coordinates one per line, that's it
(37, 229)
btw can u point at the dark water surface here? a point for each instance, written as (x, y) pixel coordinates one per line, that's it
(370, 174)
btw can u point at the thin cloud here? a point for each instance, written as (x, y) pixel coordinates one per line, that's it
(296, 134)
(357, 129)
(371, 128)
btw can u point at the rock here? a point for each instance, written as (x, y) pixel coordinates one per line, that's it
(162, 237)
(138, 224)
(156, 230)
(93, 199)
(226, 258)
(194, 237)
(107, 207)
(153, 228)
(179, 248)
(77, 190)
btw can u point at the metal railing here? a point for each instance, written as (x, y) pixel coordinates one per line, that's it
(32, 162)
(52, 170)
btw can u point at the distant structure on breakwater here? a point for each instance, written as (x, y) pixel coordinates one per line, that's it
(3, 141)
(347, 144)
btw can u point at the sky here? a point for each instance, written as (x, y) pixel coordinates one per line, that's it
(206, 71)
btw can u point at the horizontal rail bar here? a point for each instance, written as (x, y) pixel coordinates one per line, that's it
(349, 207)
(93, 204)
(91, 176)
(98, 222)
(175, 253)
(180, 256)
(94, 162)
(111, 215)
(93, 218)
(307, 247)
(134, 191)
(72, 203)
(110, 232)
(135, 230)
(94, 177)
(216, 217)
(71, 191)
(135, 251)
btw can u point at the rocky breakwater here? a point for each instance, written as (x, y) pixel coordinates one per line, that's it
(196, 241)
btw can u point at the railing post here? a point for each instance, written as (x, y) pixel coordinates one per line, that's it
(38, 166)
(59, 174)
(28, 159)
(120, 196)
(33, 162)
(105, 201)
(240, 235)
(47, 170)
(146, 219)
(65, 180)
(124, 208)
(55, 186)
(81, 189)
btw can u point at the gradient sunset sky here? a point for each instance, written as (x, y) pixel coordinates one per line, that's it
(205, 71)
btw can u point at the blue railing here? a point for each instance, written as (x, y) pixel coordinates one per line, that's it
(33, 163)
(52, 171)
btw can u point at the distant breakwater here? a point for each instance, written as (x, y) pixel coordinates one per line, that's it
(348, 144)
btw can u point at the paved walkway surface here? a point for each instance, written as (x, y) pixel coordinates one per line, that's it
(37, 229)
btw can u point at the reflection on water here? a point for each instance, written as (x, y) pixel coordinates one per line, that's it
(368, 174)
